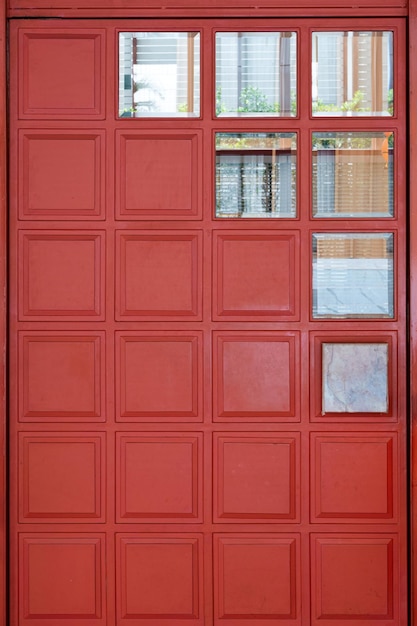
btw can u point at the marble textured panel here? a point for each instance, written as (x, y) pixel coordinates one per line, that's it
(355, 377)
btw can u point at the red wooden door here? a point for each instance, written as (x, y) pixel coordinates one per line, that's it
(207, 323)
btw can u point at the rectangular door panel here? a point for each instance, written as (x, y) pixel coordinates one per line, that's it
(208, 348)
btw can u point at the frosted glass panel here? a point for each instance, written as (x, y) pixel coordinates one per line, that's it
(355, 378)
(353, 174)
(352, 73)
(353, 275)
(159, 74)
(256, 175)
(256, 74)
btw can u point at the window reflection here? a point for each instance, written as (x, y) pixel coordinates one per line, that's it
(353, 275)
(256, 74)
(352, 73)
(256, 174)
(353, 174)
(159, 74)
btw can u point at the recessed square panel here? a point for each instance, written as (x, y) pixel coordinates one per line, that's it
(255, 377)
(353, 477)
(61, 478)
(159, 477)
(159, 377)
(256, 275)
(61, 73)
(61, 175)
(61, 377)
(159, 578)
(61, 275)
(355, 377)
(256, 579)
(353, 578)
(256, 477)
(159, 275)
(62, 576)
(159, 175)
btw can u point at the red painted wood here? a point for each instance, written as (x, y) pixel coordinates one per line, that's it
(170, 457)
(172, 561)
(413, 300)
(61, 478)
(3, 314)
(64, 163)
(268, 567)
(208, 8)
(129, 4)
(148, 490)
(50, 564)
(179, 155)
(342, 566)
(262, 291)
(255, 477)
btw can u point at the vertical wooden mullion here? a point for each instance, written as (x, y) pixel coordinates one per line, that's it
(376, 71)
(190, 72)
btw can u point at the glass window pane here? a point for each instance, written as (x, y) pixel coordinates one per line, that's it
(256, 74)
(353, 174)
(159, 74)
(355, 378)
(256, 174)
(353, 275)
(352, 73)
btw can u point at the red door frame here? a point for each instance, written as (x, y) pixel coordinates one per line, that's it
(3, 205)
(413, 295)
(100, 8)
